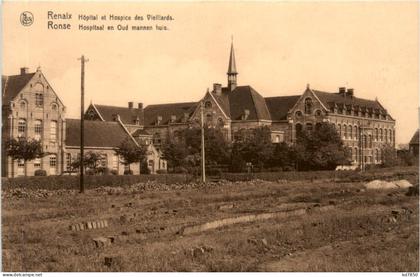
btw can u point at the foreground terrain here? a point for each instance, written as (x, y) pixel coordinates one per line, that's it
(269, 226)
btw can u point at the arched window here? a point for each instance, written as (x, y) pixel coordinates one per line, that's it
(54, 107)
(39, 94)
(318, 113)
(376, 156)
(370, 141)
(339, 130)
(386, 135)
(355, 132)
(207, 105)
(277, 139)
(220, 122)
(309, 127)
(38, 129)
(298, 114)
(356, 154)
(345, 131)
(53, 164)
(381, 135)
(209, 118)
(53, 130)
(317, 126)
(22, 105)
(22, 128)
(350, 132)
(298, 129)
(376, 134)
(156, 138)
(364, 141)
(308, 105)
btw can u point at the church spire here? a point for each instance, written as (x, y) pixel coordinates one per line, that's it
(232, 69)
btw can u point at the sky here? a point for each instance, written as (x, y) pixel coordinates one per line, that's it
(280, 47)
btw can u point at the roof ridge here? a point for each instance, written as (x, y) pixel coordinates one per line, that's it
(176, 103)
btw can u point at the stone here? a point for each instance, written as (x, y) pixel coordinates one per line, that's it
(264, 241)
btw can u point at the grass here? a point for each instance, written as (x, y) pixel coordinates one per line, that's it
(356, 235)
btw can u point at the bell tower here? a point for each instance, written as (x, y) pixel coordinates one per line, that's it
(232, 83)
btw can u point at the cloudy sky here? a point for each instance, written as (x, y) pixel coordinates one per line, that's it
(280, 47)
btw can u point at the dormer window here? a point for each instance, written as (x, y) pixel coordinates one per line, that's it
(54, 107)
(173, 118)
(22, 105)
(245, 115)
(158, 120)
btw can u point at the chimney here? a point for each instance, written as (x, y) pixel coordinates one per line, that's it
(342, 90)
(24, 70)
(130, 105)
(217, 89)
(140, 106)
(350, 92)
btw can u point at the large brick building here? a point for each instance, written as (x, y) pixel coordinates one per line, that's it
(32, 109)
(364, 125)
(29, 102)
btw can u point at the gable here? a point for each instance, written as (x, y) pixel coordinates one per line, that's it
(92, 114)
(316, 104)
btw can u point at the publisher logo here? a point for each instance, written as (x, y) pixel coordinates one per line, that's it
(26, 18)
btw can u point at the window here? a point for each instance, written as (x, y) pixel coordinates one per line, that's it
(339, 130)
(350, 132)
(68, 161)
(53, 130)
(53, 161)
(21, 168)
(207, 105)
(318, 113)
(351, 152)
(22, 128)
(298, 130)
(355, 132)
(37, 163)
(376, 134)
(386, 135)
(209, 119)
(104, 160)
(54, 107)
(364, 141)
(220, 122)
(380, 135)
(370, 141)
(309, 127)
(38, 129)
(298, 114)
(376, 156)
(345, 131)
(156, 138)
(356, 154)
(115, 162)
(22, 105)
(39, 99)
(318, 126)
(308, 105)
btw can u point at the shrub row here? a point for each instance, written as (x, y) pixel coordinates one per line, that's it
(343, 176)
(72, 182)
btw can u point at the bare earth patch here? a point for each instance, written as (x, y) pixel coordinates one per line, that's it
(243, 226)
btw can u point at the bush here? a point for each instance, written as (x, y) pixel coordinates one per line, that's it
(180, 169)
(161, 171)
(128, 172)
(90, 172)
(91, 181)
(40, 172)
(114, 172)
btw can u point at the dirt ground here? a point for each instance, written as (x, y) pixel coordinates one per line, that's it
(311, 226)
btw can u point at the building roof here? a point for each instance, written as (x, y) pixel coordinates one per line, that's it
(234, 103)
(97, 133)
(151, 113)
(330, 98)
(140, 132)
(279, 106)
(127, 115)
(415, 138)
(12, 85)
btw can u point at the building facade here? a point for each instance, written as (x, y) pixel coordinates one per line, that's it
(32, 109)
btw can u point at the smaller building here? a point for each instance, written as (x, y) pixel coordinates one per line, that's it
(413, 146)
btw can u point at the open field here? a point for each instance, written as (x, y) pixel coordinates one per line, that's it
(269, 226)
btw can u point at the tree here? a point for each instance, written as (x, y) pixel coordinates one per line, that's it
(252, 146)
(320, 149)
(389, 156)
(185, 150)
(130, 153)
(283, 156)
(24, 149)
(90, 160)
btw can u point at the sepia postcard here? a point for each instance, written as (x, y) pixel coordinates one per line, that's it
(208, 136)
